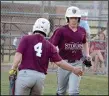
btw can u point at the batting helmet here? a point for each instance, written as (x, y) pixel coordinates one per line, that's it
(72, 12)
(42, 25)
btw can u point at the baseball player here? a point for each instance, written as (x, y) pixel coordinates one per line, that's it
(32, 58)
(70, 39)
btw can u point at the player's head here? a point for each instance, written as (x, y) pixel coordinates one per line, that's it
(72, 12)
(42, 26)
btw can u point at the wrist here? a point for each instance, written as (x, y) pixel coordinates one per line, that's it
(13, 68)
(13, 72)
(73, 70)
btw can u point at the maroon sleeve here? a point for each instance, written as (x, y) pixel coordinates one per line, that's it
(84, 37)
(22, 45)
(54, 57)
(55, 39)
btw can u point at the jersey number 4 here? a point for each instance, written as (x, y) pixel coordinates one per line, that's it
(38, 49)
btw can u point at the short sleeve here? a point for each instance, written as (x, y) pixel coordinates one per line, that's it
(54, 56)
(22, 45)
(84, 37)
(55, 38)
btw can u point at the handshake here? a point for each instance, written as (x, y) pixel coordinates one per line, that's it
(87, 62)
(78, 71)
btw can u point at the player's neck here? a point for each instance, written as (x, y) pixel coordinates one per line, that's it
(39, 34)
(73, 28)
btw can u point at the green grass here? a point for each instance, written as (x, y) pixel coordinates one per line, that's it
(90, 85)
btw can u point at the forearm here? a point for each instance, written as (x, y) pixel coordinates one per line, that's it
(17, 60)
(65, 65)
(86, 49)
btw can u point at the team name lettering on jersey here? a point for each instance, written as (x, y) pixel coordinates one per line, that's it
(73, 46)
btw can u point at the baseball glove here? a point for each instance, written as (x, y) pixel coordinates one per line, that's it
(87, 62)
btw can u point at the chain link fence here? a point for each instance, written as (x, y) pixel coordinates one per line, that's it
(18, 17)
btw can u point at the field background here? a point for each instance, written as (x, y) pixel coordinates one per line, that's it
(17, 19)
(89, 85)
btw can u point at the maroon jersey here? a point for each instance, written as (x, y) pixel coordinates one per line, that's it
(69, 42)
(36, 52)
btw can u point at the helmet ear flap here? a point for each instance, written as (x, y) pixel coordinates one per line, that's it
(67, 19)
(79, 20)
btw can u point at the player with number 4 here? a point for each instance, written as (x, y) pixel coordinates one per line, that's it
(32, 59)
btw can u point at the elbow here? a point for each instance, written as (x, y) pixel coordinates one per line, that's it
(58, 63)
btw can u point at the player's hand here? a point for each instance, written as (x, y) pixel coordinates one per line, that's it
(78, 71)
(13, 72)
(88, 57)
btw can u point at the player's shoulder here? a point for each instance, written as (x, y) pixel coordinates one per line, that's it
(49, 44)
(37, 36)
(61, 28)
(27, 38)
(24, 37)
(82, 29)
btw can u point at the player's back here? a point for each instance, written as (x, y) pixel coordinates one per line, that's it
(36, 53)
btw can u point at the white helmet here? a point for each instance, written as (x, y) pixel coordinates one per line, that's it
(73, 12)
(43, 25)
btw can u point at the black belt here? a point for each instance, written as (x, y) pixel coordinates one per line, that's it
(71, 61)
